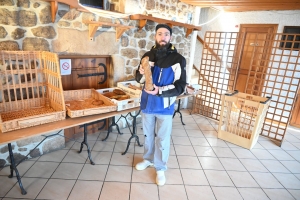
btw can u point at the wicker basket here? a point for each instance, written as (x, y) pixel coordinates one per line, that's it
(242, 117)
(75, 95)
(31, 89)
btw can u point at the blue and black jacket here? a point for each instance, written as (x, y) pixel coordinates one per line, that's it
(169, 74)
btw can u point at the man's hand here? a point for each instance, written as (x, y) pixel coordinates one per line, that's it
(154, 92)
(141, 70)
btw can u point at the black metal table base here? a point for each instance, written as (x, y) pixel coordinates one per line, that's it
(113, 123)
(178, 111)
(133, 132)
(86, 144)
(13, 165)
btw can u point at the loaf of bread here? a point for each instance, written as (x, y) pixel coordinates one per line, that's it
(119, 92)
(109, 94)
(120, 97)
(133, 87)
(148, 74)
(97, 102)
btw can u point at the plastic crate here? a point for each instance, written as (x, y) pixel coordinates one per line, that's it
(242, 117)
(81, 95)
(123, 104)
(132, 92)
(31, 90)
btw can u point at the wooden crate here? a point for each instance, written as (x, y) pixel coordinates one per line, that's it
(132, 92)
(84, 94)
(122, 104)
(31, 91)
(242, 117)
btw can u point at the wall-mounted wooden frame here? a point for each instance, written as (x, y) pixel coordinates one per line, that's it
(290, 39)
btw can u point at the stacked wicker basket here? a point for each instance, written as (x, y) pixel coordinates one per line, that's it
(31, 89)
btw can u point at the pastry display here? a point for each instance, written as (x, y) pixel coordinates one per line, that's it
(117, 94)
(25, 113)
(84, 104)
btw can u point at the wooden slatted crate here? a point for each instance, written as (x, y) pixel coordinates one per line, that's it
(30, 91)
(125, 104)
(242, 117)
(134, 91)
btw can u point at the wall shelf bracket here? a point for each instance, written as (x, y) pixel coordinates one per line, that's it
(93, 26)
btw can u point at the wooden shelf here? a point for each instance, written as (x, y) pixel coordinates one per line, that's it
(93, 26)
(78, 6)
(143, 20)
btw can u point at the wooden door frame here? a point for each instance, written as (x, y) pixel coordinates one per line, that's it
(242, 33)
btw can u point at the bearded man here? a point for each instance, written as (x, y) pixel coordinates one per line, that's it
(157, 105)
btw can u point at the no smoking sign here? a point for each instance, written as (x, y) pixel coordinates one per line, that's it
(65, 66)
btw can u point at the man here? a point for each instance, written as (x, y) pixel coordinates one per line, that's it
(157, 106)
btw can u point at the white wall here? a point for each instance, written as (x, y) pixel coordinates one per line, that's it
(230, 22)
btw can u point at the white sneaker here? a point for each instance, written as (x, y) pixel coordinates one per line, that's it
(143, 165)
(160, 178)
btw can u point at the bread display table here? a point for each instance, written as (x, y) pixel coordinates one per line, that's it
(41, 130)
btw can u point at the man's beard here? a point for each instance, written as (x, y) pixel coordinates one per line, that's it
(163, 46)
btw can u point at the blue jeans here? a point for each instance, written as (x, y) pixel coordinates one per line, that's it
(157, 149)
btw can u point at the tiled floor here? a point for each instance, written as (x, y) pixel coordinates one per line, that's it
(200, 167)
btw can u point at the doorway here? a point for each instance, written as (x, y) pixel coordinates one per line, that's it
(254, 57)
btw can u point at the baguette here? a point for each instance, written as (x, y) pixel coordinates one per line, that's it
(148, 74)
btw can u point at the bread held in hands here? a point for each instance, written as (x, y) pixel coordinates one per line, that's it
(148, 74)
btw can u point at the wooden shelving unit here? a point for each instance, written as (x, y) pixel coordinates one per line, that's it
(120, 29)
(143, 21)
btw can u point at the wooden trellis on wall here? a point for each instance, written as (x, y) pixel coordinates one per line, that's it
(274, 70)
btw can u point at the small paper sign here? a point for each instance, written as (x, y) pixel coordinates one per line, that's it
(65, 66)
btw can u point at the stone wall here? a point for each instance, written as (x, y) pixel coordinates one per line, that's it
(26, 25)
(25, 147)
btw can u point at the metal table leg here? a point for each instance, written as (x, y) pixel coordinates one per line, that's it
(110, 128)
(177, 110)
(86, 144)
(13, 168)
(133, 132)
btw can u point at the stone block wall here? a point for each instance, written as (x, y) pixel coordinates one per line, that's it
(26, 25)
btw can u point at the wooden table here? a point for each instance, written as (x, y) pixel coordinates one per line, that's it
(12, 136)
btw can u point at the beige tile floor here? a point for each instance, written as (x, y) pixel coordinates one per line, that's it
(201, 167)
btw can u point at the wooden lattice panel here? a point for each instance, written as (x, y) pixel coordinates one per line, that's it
(272, 71)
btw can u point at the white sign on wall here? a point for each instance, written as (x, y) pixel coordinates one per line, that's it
(65, 66)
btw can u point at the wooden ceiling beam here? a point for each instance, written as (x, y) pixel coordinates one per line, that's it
(247, 5)
(254, 8)
(226, 3)
(242, 1)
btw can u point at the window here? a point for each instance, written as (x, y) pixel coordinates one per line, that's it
(289, 35)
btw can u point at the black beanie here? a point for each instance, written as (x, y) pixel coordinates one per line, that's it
(164, 26)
